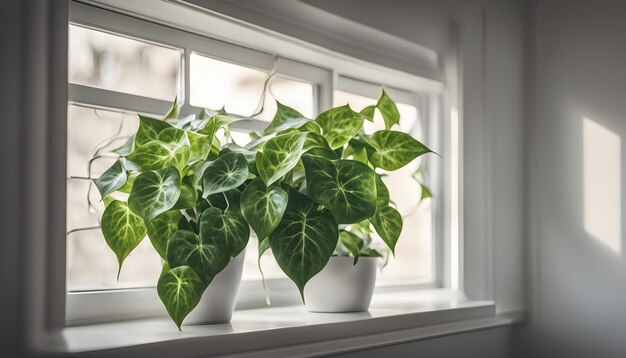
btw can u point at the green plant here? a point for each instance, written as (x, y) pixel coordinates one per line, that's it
(307, 188)
(335, 198)
(183, 191)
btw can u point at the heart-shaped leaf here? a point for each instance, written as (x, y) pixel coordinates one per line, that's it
(157, 155)
(391, 150)
(188, 249)
(263, 207)
(388, 109)
(346, 187)
(149, 129)
(114, 178)
(285, 117)
(339, 125)
(280, 154)
(122, 230)
(162, 228)
(154, 192)
(227, 172)
(304, 240)
(388, 224)
(180, 290)
(226, 229)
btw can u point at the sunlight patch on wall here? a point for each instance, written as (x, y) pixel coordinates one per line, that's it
(602, 192)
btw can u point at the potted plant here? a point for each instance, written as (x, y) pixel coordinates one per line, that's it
(318, 195)
(175, 182)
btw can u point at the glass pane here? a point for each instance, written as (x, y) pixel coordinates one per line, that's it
(90, 263)
(217, 84)
(121, 64)
(238, 89)
(413, 259)
(89, 129)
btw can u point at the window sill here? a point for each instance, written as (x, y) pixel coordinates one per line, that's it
(290, 331)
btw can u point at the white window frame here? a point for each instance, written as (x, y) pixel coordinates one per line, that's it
(327, 72)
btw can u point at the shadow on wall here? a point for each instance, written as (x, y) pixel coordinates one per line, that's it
(602, 191)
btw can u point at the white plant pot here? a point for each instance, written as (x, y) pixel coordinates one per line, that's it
(218, 300)
(342, 286)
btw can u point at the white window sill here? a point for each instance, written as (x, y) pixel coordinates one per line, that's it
(290, 331)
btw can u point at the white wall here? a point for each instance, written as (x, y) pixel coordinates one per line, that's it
(576, 211)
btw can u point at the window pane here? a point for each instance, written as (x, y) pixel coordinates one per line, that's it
(216, 84)
(413, 258)
(238, 89)
(90, 262)
(121, 64)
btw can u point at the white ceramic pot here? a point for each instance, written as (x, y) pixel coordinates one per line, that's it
(218, 300)
(342, 286)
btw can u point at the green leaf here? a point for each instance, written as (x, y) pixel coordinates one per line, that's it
(180, 290)
(122, 230)
(174, 110)
(352, 243)
(264, 245)
(280, 154)
(263, 207)
(304, 240)
(162, 228)
(285, 117)
(226, 229)
(227, 172)
(382, 193)
(388, 109)
(114, 178)
(391, 150)
(339, 125)
(368, 112)
(154, 192)
(149, 129)
(346, 187)
(157, 155)
(388, 224)
(188, 249)
(200, 146)
(188, 197)
(249, 154)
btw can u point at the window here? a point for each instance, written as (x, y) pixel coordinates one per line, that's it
(120, 65)
(414, 253)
